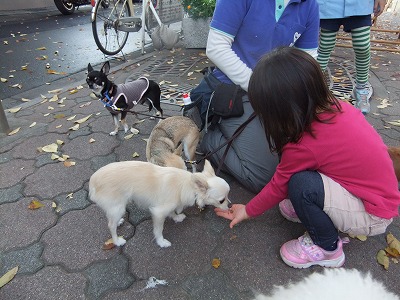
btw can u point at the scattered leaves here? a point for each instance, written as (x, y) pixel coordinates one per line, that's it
(33, 124)
(134, 130)
(35, 204)
(393, 242)
(71, 118)
(3, 79)
(92, 140)
(129, 136)
(41, 48)
(6, 278)
(135, 155)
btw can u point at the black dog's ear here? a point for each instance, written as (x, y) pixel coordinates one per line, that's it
(89, 68)
(105, 68)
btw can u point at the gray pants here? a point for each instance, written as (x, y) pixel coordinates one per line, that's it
(249, 159)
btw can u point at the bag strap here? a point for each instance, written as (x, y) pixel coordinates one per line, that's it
(228, 143)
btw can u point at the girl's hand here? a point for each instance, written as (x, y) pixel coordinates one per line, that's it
(379, 6)
(236, 213)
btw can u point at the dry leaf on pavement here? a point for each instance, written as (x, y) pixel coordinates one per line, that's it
(14, 131)
(383, 259)
(35, 204)
(6, 278)
(80, 121)
(216, 262)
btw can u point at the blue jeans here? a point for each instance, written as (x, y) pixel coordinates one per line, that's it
(306, 192)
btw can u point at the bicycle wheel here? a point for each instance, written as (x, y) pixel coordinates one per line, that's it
(105, 22)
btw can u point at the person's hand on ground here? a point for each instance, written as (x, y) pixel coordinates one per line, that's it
(237, 213)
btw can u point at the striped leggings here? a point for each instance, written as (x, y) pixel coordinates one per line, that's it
(361, 44)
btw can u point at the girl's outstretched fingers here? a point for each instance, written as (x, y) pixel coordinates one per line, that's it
(236, 214)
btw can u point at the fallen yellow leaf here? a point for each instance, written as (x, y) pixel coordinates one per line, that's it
(6, 278)
(41, 48)
(383, 259)
(80, 121)
(92, 140)
(59, 142)
(33, 124)
(69, 163)
(129, 136)
(14, 131)
(14, 110)
(392, 252)
(50, 148)
(75, 127)
(71, 118)
(35, 204)
(135, 155)
(54, 156)
(393, 242)
(216, 262)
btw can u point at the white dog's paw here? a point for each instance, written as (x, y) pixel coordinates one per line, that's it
(179, 218)
(163, 243)
(113, 132)
(120, 222)
(120, 241)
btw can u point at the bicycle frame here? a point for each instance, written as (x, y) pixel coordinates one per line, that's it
(132, 24)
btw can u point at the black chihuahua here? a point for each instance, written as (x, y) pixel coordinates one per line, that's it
(120, 98)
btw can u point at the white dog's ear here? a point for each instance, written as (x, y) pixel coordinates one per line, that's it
(106, 68)
(208, 169)
(201, 187)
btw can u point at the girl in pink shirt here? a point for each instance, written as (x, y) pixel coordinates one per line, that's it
(334, 166)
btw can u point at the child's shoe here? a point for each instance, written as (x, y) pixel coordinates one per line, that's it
(287, 211)
(362, 94)
(303, 253)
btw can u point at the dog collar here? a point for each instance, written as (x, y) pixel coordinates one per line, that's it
(108, 102)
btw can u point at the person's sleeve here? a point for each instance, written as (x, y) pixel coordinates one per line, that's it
(219, 51)
(295, 158)
(228, 16)
(309, 39)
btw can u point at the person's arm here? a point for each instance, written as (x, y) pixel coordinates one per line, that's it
(379, 6)
(219, 51)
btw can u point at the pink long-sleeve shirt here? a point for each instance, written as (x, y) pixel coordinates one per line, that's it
(349, 151)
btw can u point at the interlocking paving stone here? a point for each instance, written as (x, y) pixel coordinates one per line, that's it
(11, 194)
(76, 201)
(27, 259)
(21, 226)
(14, 171)
(81, 148)
(82, 131)
(49, 283)
(186, 256)
(53, 179)
(213, 284)
(76, 240)
(112, 274)
(101, 161)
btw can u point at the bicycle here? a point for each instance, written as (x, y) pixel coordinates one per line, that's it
(113, 20)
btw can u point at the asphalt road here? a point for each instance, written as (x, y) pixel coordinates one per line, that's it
(34, 39)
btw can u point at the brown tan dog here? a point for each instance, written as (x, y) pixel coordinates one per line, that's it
(168, 138)
(394, 153)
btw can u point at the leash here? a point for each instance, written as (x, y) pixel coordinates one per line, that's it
(227, 143)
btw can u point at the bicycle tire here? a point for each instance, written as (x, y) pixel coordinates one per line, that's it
(108, 38)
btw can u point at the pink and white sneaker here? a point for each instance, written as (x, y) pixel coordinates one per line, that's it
(303, 253)
(287, 211)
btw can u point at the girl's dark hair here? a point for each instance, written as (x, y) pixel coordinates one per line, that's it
(288, 92)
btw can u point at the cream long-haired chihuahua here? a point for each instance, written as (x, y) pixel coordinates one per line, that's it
(164, 191)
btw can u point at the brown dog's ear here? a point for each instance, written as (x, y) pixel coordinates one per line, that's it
(106, 68)
(89, 68)
(208, 169)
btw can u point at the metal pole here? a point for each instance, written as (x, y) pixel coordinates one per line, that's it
(4, 128)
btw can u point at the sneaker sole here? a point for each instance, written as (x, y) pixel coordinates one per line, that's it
(332, 263)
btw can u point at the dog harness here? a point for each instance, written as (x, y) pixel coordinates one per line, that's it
(132, 91)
